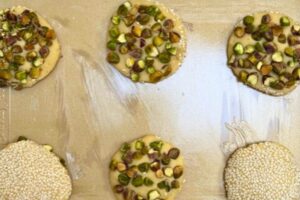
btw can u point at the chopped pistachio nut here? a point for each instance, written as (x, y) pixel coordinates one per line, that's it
(137, 181)
(177, 172)
(121, 167)
(172, 51)
(239, 32)
(5, 75)
(135, 77)
(122, 38)
(1, 54)
(168, 172)
(249, 49)
(136, 30)
(114, 32)
(156, 145)
(48, 147)
(232, 59)
(175, 184)
(252, 79)
(285, 21)
(116, 20)
(6, 26)
(282, 38)
(153, 195)
(112, 45)
(164, 57)
(123, 49)
(296, 73)
(268, 80)
(156, 76)
(35, 72)
(21, 75)
(174, 37)
(123, 179)
(151, 51)
(266, 69)
(148, 182)
(156, 27)
(248, 20)
(291, 63)
(259, 47)
(158, 41)
(159, 173)
(289, 51)
(139, 145)
(143, 19)
(243, 76)
(151, 70)
(277, 57)
(238, 49)
(259, 65)
(112, 57)
(164, 185)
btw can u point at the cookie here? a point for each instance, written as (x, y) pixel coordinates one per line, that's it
(147, 169)
(31, 171)
(29, 49)
(146, 41)
(264, 52)
(261, 171)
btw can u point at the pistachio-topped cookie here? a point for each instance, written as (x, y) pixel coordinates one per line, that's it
(264, 52)
(146, 41)
(29, 49)
(147, 169)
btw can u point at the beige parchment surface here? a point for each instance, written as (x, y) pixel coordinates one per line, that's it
(85, 109)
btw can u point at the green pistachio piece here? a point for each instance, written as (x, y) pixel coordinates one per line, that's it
(160, 17)
(135, 77)
(119, 189)
(35, 72)
(172, 51)
(123, 179)
(249, 49)
(177, 172)
(114, 32)
(156, 145)
(248, 20)
(277, 85)
(19, 60)
(291, 63)
(5, 75)
(152, 10)
(130, 62)
(112, 45)
(121, 167)
(123, 10)
(1, 54)
(156, 27)
(113, 58)
(158, 41)
(289, 51)
(252, 79)
(122, 39)
(6, 26)
(113, 164)
(31, 55)
(153, 195)
(143, 19)
(256, 35)
(268, 80)
(266, 19)
(259, 65)
(243, 76)
(163, 185)
(151, 50)
(137, 181)
(139, 145)
(175, 184)
(164, 57)
(129, 20)
(151, 70)
(168, 172)
(123, 49)
(282, 38)
(231, 59)
(263, 28)
(238, 49)
(144, 167)
(249, 29)
(21, 75)
(285, 21)
(116, 20)
(125, 147)
(259, 47)
(148, 182)
(277, 57)
(239, 32)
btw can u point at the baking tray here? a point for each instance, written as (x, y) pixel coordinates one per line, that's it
(85, 109)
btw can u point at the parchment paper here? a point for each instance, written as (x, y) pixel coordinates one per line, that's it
(86, 109)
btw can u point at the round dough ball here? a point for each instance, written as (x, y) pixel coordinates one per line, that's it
(262, 171)
(147, 169)
(146, 41)
(264, 52)
(29, 171)
(29, 49)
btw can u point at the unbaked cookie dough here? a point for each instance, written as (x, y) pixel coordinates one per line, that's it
(30, 171)
(29, 49)
(264, 52)
(147, 169)
(262, 171)
(146, 41)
